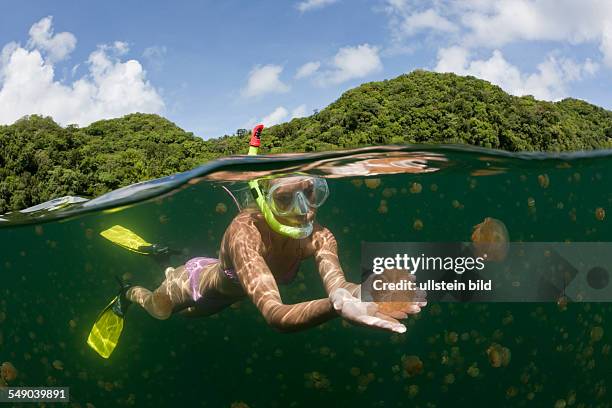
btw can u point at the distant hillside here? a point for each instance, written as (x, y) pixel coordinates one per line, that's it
(40, 160)
(426, 107)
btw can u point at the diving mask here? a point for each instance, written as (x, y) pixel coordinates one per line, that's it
(296, 195)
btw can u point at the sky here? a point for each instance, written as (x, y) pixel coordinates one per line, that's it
(216, 66)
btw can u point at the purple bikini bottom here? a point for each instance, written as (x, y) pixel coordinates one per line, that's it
(195, 266)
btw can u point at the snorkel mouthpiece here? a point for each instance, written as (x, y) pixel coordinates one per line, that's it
(289, 231)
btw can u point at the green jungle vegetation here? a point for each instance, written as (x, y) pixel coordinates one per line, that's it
(40, 160)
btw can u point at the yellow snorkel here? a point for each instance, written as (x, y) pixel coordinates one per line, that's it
(292, 232)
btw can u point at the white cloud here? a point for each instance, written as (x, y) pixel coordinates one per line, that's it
(606, 44)
(264, 79)
(549, 82)
(56, 46)
(308, 5)
(299, 112)
(120, 47)
(277, 116)
(493, 24)
(351, 63)
(452, 59)
(155, 56)
(111, 87)
(428, 19)
(307, 69)
(506, 21)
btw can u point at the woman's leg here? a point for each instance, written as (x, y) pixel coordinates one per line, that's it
(174, 292)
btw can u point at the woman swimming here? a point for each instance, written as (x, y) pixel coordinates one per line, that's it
(261, 248)
(254, 258)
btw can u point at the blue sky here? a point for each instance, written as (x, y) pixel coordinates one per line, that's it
(216, 66)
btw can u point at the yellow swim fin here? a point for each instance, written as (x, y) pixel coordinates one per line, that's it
(106, 331)
(131, 241)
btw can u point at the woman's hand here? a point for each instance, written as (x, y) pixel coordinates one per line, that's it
(361, 313)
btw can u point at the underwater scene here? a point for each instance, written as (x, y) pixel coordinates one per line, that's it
(58, 273)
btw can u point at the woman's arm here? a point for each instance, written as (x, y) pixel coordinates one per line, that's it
(259, 284)
(346, 296)
(328, 264)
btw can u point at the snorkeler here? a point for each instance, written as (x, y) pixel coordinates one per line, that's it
(262, 247)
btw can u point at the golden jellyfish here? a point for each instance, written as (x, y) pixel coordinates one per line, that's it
(372, 183)
(600, 214)
(389, 192)
(597, 333)
(417, 225)
(562, 303)
(8, 371)
(382, 207)
(389, 308)
(239, 404)
(221, 208)
(473, 371)
(490, 239)
(544, 180)
(317, 380)
(413, 390)
(451, 338)
(416, 188)
(498, 355)
(412, 365)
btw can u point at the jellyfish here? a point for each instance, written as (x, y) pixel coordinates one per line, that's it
(490, 239)
(473, 370)
(58, 365)
(382, 207)
(544, 180)
(389, 308)
(498, 355)
(221, 208)
(372, 183)
(416, 188)
(8, 372)
(418, 225)
(412, 365)
(317, 380)
(413, 390)
(597, 333)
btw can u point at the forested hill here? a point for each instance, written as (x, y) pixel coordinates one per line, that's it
(426, 107)
(40, 160)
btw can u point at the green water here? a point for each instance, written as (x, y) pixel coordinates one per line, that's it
(57, 275)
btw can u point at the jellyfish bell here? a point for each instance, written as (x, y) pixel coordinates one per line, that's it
(8, 371)
(412, 365)
(390, 308)
(498, 355)
(490, 240)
